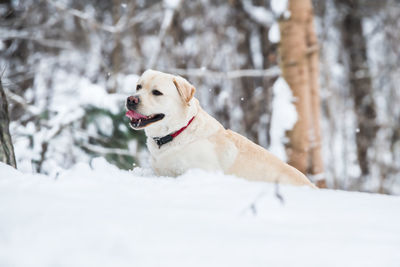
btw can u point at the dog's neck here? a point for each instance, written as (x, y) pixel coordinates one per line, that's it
(174, 125)
(160, 141)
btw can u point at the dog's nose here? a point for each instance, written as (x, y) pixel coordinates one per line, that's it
(132, 101)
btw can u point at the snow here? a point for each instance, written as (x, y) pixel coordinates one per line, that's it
(279, 7)
(65, 92)
(98, 215)
(127, 83)
(173, 4)
(256, 49)
(97, 96)
(274, 34)
(284, 117)
(260, 14)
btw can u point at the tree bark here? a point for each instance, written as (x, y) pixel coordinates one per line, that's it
(360, 83)
(294, 66)
(6, 146)
(299, 58)
(316, 162)
(116, 53)
(250, 105)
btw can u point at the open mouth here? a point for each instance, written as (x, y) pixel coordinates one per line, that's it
(139, 120)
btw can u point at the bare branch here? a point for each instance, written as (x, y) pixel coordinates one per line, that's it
(233, 74)
(122, 25)
(165, 25)
(106, 150)
(278, 195)
(258, 14)
(12, 34)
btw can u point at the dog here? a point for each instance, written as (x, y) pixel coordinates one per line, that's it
(182, 136)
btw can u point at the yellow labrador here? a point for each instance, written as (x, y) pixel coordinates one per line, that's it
(182, 136)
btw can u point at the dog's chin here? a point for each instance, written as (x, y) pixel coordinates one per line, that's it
(139, 121)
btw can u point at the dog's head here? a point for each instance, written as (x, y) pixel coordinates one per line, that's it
(161, 104)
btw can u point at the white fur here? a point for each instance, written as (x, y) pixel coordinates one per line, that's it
(191, 149)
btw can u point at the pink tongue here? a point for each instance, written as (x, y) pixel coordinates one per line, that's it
(134, 115)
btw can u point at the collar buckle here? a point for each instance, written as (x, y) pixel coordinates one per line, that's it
(163, 140)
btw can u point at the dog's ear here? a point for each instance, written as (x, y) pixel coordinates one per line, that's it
(185, 89)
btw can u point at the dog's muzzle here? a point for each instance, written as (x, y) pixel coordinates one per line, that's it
(138, 120)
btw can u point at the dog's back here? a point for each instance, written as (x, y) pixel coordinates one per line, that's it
(253, 162)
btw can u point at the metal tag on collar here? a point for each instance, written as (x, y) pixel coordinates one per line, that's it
(163, 140)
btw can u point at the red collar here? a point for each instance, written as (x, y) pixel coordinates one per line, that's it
(168, 138)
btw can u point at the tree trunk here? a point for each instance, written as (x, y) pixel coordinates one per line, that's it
(6, 146)
(360, 83)
(317, 164)
(116, 53)
(299, 57)
(292, 50)
(248, 103)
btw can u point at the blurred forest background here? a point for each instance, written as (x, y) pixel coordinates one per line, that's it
(67, 67)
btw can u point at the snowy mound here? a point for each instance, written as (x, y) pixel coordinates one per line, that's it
(99, 215)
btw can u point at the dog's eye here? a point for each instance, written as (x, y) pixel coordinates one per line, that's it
(138, 87)
(156, 92)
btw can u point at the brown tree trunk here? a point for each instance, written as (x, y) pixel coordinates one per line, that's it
(360, 83)
(116, 53)
(294, 66)
(316, 162)
(249, 104)
(298, 52)
(6, 146)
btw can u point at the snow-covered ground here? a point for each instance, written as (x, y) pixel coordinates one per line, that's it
(99, 215)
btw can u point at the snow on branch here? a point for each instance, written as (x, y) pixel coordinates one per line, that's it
(18, 99)
(279, 7)
(105, 150)
(171, 7)
(12, 34)
(233, 74)
(259, 14)
(122, 24)
(284, 117)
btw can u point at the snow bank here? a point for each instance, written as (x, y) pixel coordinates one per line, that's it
(99, 215)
